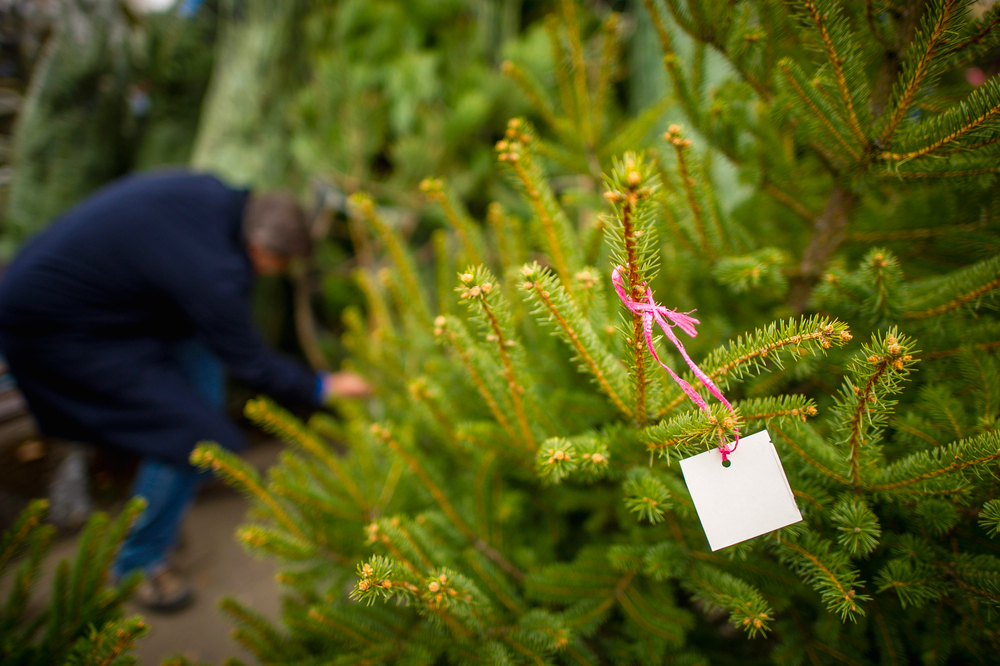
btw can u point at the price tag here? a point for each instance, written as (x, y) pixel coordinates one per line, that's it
(748, 498)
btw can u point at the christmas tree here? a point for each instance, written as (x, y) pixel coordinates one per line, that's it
(82, 621)
(513, 495)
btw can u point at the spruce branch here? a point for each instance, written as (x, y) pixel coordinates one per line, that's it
(339, 628)
(588, 454)
(631, 186)
(650, 615)
(295, 546)
(422, 392)
(392, 533)
(561, 64)
(750, 354)
(634, 131)
(468, 233)
(920, 63)
(444, 271)
(579, 72)
(929, 471)
(858, 526)
(760, 270)
(645, 495)
(36, 542)
(746, 607)
(442, 500)
(587, 577)
(682, 91)
(816, 103)
(506, 234)
(972, 118)
(240, 475)
(915, 583)
(989, 518)
(972, 283)
(673, 137)
(690, 431)
(573, 327)
(478, 290)
(271, 418)
(862, 406)
(605, 71)
(439, 496)
(831, 25)
(109, 645)
(495, 582)
(774, 409)
(379, 319)
(811, 460)
(826, 570)
(453, 331)
(788, 200)
(362, 206)
(986, 28)
(378, 580)
(559, 237)
(15, 538)
(533, 92)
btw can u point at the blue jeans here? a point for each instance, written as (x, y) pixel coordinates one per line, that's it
(170, 489)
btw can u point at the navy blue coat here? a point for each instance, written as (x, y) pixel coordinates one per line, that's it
(90, 308)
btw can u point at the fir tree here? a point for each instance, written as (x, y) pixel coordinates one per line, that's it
(511, 498)
(82, 622)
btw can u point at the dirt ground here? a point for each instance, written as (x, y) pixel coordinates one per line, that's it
(217, 567)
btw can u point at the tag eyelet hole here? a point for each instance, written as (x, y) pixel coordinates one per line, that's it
(727, 463)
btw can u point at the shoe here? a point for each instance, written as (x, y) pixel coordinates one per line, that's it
(165, 592)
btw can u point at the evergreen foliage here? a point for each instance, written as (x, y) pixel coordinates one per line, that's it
(68, 139)
(510, 497)
(81, 623)
(111, 92)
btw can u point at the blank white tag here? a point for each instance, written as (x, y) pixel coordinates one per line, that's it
(749, 498)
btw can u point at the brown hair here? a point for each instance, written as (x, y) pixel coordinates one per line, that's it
(276, 222)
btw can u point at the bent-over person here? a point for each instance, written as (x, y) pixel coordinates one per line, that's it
(120, 320)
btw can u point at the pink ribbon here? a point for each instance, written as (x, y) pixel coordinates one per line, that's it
(666, 320)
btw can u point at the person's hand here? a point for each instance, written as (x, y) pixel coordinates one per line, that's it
(344, 385)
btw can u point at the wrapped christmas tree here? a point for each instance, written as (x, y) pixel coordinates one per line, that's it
(513, 496)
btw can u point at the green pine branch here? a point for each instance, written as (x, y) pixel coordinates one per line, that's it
(467, 231)
(591, 355)
(975, 119)
(922, 63)
(751, 355)
(939, 470)
(363, 207)
(481, 368)
(480, 290)
(830, 25)
(747, 609)
(819, 105)
(271, 418)
(944, 294)
(553, 228)
(826, 570)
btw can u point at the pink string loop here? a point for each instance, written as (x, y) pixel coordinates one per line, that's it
(666, 320)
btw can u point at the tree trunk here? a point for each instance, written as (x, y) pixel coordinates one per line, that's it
(828, 234)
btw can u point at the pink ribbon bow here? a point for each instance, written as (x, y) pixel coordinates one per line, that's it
(666, 320)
